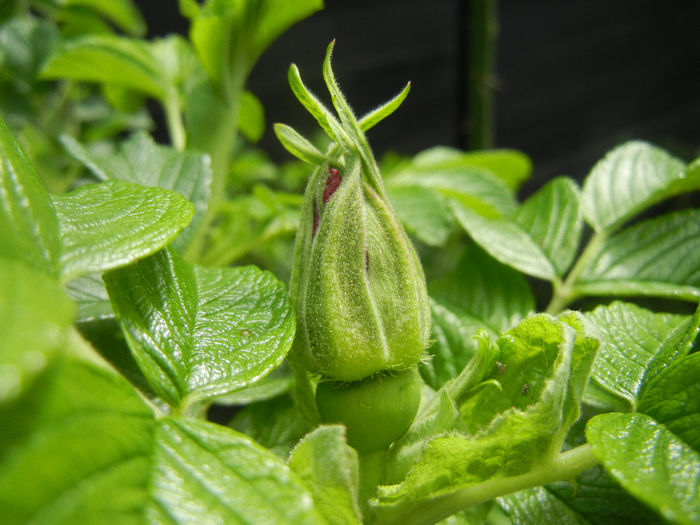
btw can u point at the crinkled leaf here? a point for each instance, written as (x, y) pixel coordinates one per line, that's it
(529, 357)
(329, 469)
(514, 428)
(424, 213)
(673, 399)
(439, 412)
(201, 332)
(650, 462)
(123, 13)
(479, 293)
(430, 420)
(629, 179)
(630, 337)
(35, 315)
(111, 224)
(453, 344)
(109, 59)
(28, 223)
(552, 219)
(507, 242)
(64, 462)
(275, 423)
(657, 257)
(140, 160)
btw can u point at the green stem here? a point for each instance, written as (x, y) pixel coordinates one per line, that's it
(565, 292)
(483, 31)
(173, 118)
(564, 466)
(373, 468)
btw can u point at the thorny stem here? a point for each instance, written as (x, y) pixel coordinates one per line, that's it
(564, 466)
(564, 292)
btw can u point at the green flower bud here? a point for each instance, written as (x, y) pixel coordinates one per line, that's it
(360, 293)
(357, 284)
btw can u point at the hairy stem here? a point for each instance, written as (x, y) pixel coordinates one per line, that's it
(564, 466)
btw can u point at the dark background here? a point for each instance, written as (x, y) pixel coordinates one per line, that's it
(572, 79)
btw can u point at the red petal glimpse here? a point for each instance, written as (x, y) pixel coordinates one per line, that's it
(332, 183)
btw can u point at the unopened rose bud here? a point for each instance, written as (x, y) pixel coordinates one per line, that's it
(358, 286)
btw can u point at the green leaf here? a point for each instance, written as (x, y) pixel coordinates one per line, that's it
(93, 228)
(506, 242)
(425, 214)
(232, 35)
(140, 160)
(552, 219)
(430, 421)
(275, 423)
(123, 13)
(197, 332)
(64, 462)
(35, 315)
(329, 469)
(251, 120)
(109, 59)
(492, 297)
(472, 187)
(630, 337)
(278, 382)
(28, 223)
(596, 497)
(657, 257)
(90, 298)
(542, 368)
(510, 166)
(679, 343)
(650, 462)
(26, 41)
(103, 226)
(537, 506)
(298, 145)
(628, 180)
(208, 473)
(672, 398)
